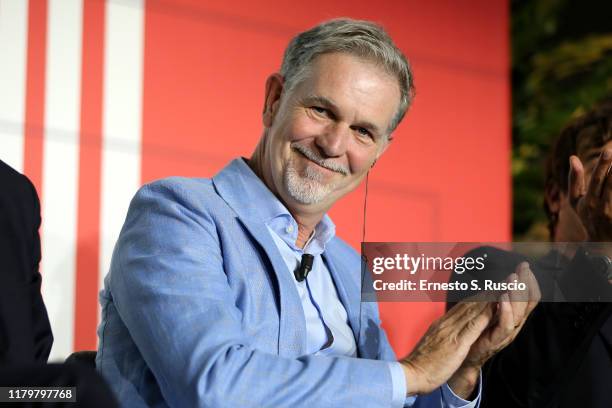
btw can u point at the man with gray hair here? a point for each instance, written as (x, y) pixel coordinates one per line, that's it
(235, 291)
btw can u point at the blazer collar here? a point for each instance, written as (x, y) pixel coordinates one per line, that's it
(243, 190)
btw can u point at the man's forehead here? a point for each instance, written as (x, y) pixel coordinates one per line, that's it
(341, 64)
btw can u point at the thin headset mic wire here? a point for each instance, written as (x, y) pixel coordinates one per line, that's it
(365, 205)
(364, 259)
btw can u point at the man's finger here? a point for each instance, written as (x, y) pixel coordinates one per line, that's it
(518, 299)
(475, 326)
(505, 319)
(576, 183)
(463, 312)
(600, 173)
(534, 292)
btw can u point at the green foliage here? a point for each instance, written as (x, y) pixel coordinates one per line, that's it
(561, 66)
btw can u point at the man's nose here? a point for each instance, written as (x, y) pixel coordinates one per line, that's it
(334, 140)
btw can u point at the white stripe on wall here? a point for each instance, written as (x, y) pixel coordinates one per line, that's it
(13, 65)
(121, 120)
(60, 168)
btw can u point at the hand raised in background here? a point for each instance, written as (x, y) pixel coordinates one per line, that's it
(593, 202)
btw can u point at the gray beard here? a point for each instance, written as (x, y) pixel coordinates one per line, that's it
(308, 188)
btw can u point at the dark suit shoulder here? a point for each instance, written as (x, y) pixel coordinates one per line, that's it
(25, 333)
(16, 189)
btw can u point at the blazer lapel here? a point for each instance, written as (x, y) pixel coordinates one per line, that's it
(292, 331)
(229, 183)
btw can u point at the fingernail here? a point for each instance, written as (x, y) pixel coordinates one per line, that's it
(525, 266)
(607, 154)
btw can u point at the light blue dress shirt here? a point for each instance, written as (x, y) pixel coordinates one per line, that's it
(327, 328)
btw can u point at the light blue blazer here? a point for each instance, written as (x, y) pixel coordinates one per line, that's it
(199, 309)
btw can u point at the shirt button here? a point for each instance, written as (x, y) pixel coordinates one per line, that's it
(289, 229)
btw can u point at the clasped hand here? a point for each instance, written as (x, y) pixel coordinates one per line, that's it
(455, 346)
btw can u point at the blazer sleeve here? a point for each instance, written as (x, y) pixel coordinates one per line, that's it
(25, 332)
(170, 289)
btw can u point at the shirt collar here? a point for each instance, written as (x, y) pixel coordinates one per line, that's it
(276, 216)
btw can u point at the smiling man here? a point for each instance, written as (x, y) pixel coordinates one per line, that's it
(207, 302)
(320, 143)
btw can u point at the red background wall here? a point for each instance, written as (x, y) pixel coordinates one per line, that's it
(100, 96)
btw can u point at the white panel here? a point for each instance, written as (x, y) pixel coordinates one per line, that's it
(60, 168)
(13, 66)
(121, 119)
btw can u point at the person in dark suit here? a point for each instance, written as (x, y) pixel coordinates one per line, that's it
(563, 356)
(25, 333)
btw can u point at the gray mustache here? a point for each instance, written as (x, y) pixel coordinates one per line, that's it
(321, 161)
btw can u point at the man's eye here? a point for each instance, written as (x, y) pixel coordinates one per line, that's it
(319, 110)
(364, 132)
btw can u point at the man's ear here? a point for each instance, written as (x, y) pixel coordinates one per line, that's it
(382, 150)
(274, 89)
